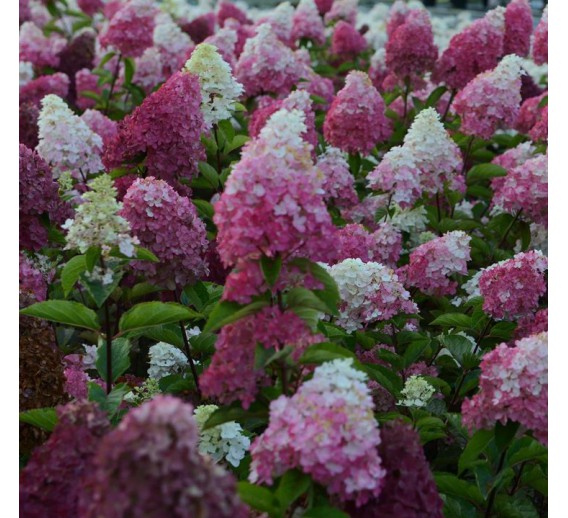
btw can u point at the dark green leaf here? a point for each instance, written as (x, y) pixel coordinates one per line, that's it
(204, 208)
(330, 293)
(504, 434)
(143, 254)
(292, 485)
(210, 174)
(120, 358)
(99, 291)
(236, 143)
(148, 314)
(259, 498)
(325, 351)
(71, 272)
(452, 320)
(92, 256)
(452, 485)
(271, 268)
(64, 312)
(108, 403)
(44, 418)
(324, 512)
(129, 69)
(302, 297)
(435, 96)
(227, 312)
(474, 447)
(235, 413)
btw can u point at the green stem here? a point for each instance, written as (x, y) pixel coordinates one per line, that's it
(447, 110)
(187, 347)
(218, 153)
(113, 83)
(493, 493)
(108, 348)
(466, 154)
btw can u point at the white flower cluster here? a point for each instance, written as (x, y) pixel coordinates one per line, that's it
(219, 89)
(26, 72)
(342, 379)
(97, 223)
(65, 140)
(166, 359)
(90, 356)
(417, 392)
(168, 35)
(506, 73)
(280, 19)
(225, 441)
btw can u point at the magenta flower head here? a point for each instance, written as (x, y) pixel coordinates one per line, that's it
(51, 482)
(382, 246)
(409, 488)
(131, 28)
(410, 49)
(229, 10)
(41, 50)
(266, 65)
(90, 7)
(104, 127)
(35, 90)
(474, 50)
(512, 288)
(432, 263)
(491, 100)
(518, 28)
(323, 6)
(539, 131)
(338, 182)
(150, 466)
(540, 42)
(513, 386)
(166, 129)
(327, 429)
(307, 23)
(345, 10)
(272, 203)
(347, 42)
(166, 224)
(33, 286)
(356, 120)
(397, 16)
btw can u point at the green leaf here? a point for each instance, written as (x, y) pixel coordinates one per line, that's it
(474, 447)
(176, 383)
(71, 272)
(210, 174)
(259, 498)
(92, 256)
(148, 314)
(324, 352)
(169, 333)
(415, 350)
(109, 403)
(129, 68)
(324, 512)
(452, 320)
(227, 312)
(458, 346)
(453, 486)
(534, 451)
(384, 377)
(142, 289)
(485, 172)
(234, 412)
(44, 418)
(271, 268)
(504, 434)
(99, 291)
(237, 142)
(64, 312)
(310, 316)
(292, 486)
(435, 96)
(227, 129)
(330, 293)
(106, 58)
(120, 358)
(302, 297)
(143, 254)
(204, 208)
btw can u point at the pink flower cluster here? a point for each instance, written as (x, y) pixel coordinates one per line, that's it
(518, 28)
(33, 285)
(346, 41)
(166, 128)
(540, 42)
(167, 224)
(356, 121)
(38, 88)
(307, 23)
(384, 245)
(42, 51)
(532, 324)
(431, 264)
(513, 387)
(104, 127)
(327, 429)
(338, 182)
(513, 287)
(150, 466)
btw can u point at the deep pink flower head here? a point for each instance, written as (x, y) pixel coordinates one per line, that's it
(106, 128)
(343, 10)
(410, 49)
(272, 202)
(39, 197)
(532, 324)
(491, 100)
(38, 88)
(378, 69)
(346, 41)
(525, 188)
(244, 32)
(86, 81)
(398, 12)
(356, 120)
(266, 65)
(90, 7)
(431, 264)
(166, 224)
(384, 245)
(540, 42)
(33, 285)
(513, 386)
(327, 429)
(42, 51)
(512, 288)
(25, 12)
(529, 113)
(323, 6)
(540, 130)
(150, 466)
(338, 182)
(166, 127)
(409, 488)
(28, 130)
(518, 28)
(50, 484)
(200, 28)
(474, 50)
(510, 159)
(317, 85)
(307, 23)
(131, 28)
(150, 69)
(229, 10)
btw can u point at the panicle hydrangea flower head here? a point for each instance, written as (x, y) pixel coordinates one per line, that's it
(356, 120)
(323, 6)
(106, 128)
(474, 50)
(201, 27)
(150, 466)
(172, 43)
(50, 484)
(539, 131)
(266, 65)
(327, 429)
(90, 7)
(532, 324)
(227, 10)
(491, 100)
(307, 23)
(343, 10)
(40, 50)
(65, 141)
(378, 68)
(36, 89)
(142, 393)
(410, 49)
(280, 20)
(166, 359)
(97, 222)
(518, 28)
(511, 288)
(39, 195)
(397, 15)
(513, 386)
(33, 286)
(130, 29)
(409, 487)
(525, 188)
(370, 292)
(510, 159)
(338, 182)
(28, 116)
(346, 41)
(225, 40)
(272, 202)
(86, 81)
(417, 392)
(149, 69)
(219, 90)
(225, 441)
(79, 53)
(168, 225)
(540, 41)
(431, 263)
(166, 127)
